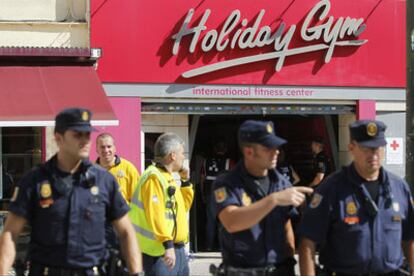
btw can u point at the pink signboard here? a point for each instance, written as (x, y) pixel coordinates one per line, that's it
(288, 42)
(127, 133)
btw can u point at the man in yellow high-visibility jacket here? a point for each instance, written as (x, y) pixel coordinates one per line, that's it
(124, 171)
(159, 209)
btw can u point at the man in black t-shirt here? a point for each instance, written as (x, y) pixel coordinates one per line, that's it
(320, 164)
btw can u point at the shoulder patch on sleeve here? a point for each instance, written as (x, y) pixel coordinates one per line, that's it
(316, 200)
(220, 194)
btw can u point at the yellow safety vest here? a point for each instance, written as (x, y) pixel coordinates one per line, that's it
(145, 235)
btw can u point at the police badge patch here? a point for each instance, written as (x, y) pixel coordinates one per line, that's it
(85, 116)
(45, 190)
(269, 128)
(220, 194)
(246, 200)
(351, 208)
(316, 200)
(372, 129)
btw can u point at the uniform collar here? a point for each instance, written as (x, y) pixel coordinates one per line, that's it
(242, 169)
(250, 183)
(51, 164)
(355, 178)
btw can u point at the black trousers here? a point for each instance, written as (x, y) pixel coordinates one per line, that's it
(42, 270)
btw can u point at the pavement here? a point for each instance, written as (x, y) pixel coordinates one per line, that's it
(200, 262)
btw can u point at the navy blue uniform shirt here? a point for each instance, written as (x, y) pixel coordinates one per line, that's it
(353, 238)
(264, 243)
(68, 216)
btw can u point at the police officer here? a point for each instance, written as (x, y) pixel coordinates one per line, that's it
(127, 177)
(214, 166)
(320, 163)
(159, 209)
(360, 214)
(67, 201)
(254, 203)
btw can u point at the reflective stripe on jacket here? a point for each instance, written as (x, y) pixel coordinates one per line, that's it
(145, 234)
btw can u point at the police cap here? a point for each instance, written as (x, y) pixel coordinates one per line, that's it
(77, 119)
(368, 133)
(260, 132)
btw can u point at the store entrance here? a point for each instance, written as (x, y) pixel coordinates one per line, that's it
(299, 130)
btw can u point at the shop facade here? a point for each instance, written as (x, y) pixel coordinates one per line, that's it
(178, 60)
(200, 68)
(46, 64)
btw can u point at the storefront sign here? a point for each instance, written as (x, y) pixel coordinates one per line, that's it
(248, 92)
(317, 26)
(306, 43)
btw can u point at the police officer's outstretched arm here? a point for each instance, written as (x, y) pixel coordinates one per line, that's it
(14, 225)
(235, 218)
(129, 244)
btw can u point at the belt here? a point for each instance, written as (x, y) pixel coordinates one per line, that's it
(392, 273)
(256, 271)
(36, 269)
(179, 245)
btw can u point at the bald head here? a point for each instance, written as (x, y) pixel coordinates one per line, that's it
(106, 150)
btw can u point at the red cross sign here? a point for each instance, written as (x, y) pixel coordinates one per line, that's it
(394, 145)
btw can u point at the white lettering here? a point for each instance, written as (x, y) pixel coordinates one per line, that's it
(246, 38)
(228, 27)
(209, 41)
(331, 32)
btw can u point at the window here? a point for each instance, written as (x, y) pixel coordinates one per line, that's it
(20, 151)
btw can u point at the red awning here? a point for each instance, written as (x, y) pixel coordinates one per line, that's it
(33, 95)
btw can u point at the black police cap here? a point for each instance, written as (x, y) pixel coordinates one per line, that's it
(368, 133)
(260, 132)
(77, 119)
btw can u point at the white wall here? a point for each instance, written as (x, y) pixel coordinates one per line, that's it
(44, 23)
(343, 138)
(44, 10)
(156, 123)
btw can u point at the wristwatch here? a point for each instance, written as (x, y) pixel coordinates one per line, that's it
(142, 273)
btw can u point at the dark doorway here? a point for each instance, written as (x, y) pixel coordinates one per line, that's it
(299, 130)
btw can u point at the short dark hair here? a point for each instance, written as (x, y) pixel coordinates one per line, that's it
(105, 135)
(243, 144)
(319, 140)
